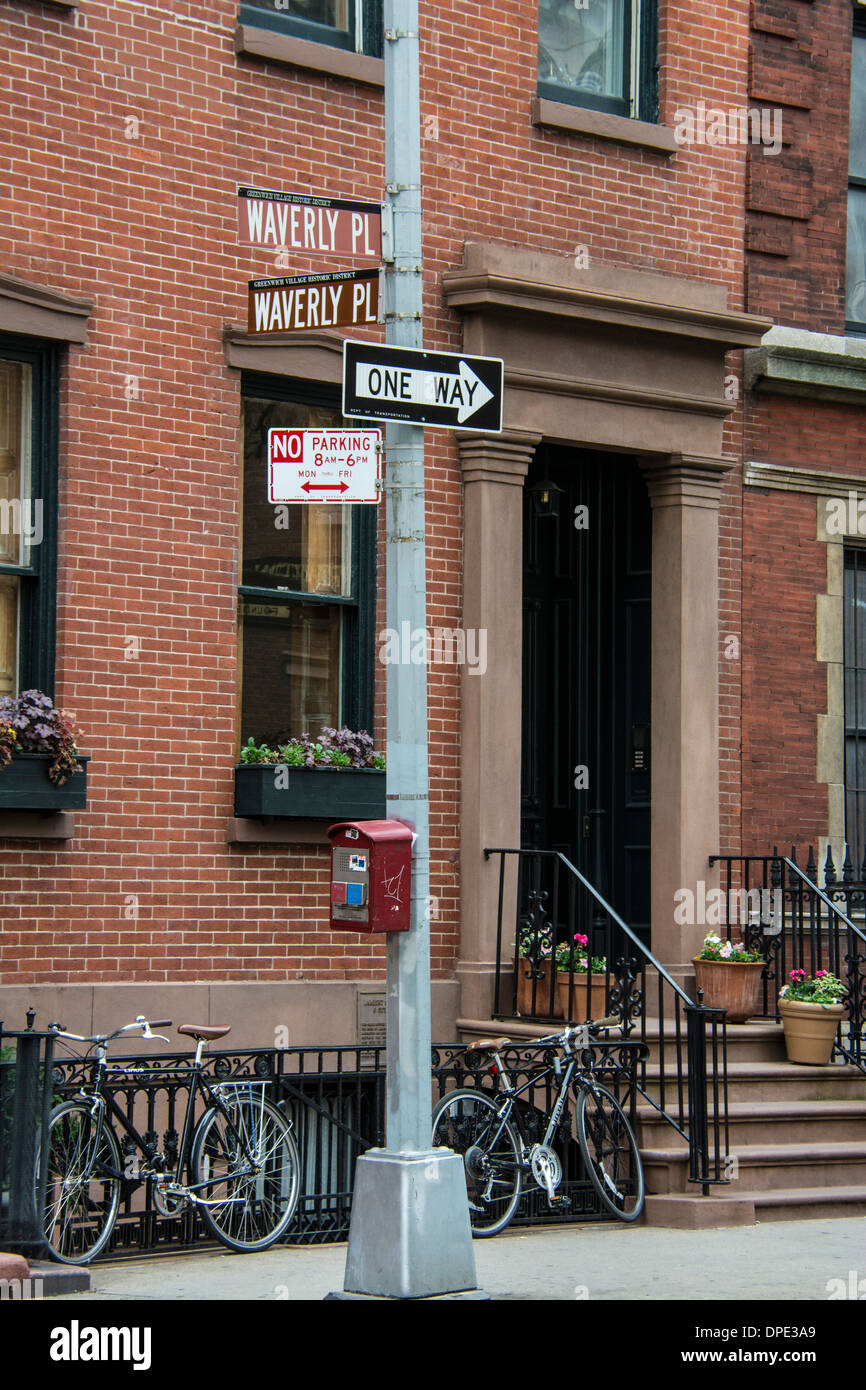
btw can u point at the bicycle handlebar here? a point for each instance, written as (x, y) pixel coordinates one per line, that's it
(141, 1022)
(581, 1032)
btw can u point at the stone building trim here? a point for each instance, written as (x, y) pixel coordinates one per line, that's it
(560, 115)
(315, 57)
(41, 312)
(820, 366)
(780, 477)
(316, 355)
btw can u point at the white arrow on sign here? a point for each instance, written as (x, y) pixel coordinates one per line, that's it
(462, 389)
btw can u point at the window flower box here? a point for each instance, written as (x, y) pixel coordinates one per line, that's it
(273, 789)
(25, 785)
(336, 776)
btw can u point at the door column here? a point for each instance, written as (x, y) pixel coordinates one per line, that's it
(684, 492)
(493, 468)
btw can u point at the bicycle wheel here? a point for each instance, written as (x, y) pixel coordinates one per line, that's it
(610, 1152)
(254, 1199)
(83, 1184)
(467, 1122)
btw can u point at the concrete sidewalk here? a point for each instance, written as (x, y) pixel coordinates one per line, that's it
(790, 1260)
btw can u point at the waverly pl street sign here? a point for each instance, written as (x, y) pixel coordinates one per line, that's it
(303, 222)
(335, 299)
(422, 388)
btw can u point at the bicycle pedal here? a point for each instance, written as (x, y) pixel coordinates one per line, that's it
(560, 1203)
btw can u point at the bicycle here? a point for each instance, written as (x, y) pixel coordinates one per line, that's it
(488, 1130)
(241, 1156)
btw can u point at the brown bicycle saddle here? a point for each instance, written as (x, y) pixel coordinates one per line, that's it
(197, 1030)
(488, 1045)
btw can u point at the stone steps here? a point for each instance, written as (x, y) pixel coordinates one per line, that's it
(774, 1121)
(765, 1167)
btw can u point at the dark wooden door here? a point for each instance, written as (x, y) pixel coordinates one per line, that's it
(586, 673)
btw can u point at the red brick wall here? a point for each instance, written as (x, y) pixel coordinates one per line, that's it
(150, 487)
(797, 200)
(785, 687)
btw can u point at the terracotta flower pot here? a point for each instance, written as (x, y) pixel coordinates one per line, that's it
(577, 1013)
(810, 1030)
(731, 985)
(542, 991)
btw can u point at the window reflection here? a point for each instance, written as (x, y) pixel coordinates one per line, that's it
(333, 13)
(582, 48)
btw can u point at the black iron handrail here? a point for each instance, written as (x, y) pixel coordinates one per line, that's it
(685, 1082)
(811, 932)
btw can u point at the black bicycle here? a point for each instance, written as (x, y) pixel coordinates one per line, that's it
(487, 1129)
(240, 1160)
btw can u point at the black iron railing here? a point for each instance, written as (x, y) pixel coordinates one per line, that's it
(335, 1097)
(682, 1067)
(26, 1093)
(779, 909)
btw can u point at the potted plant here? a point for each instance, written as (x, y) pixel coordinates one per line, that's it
(40, 766)
(811, 1008)
(730, 977)
(572, 967)
(337, 776)
(534, 970)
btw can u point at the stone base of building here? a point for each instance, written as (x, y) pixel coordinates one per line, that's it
(298, 1013)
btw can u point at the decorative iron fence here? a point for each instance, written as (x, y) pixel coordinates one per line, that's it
(335, 1098)
(26, 1090)
(780, 910)
(682, 1066)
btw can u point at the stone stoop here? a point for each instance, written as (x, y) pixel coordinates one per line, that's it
(796, 1134)
(796, 1140)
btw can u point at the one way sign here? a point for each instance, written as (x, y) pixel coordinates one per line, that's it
(422, 388)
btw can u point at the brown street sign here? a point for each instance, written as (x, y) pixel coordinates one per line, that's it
(303, 222)
(337, 299)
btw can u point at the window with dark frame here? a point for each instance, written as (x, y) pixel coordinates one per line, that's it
(306, 608)
(600, 54)
(353, 24)
(29, 413)
(855, 291)
(855, 702)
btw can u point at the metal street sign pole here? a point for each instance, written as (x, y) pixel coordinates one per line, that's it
(410, 1235)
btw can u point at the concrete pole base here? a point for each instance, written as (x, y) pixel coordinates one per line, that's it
(409, 1236)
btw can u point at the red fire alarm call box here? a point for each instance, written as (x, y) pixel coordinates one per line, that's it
(371, 875)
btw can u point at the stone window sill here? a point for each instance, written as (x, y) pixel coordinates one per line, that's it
(301, 53)
(250, 830)
(560, 115)
(37, 825)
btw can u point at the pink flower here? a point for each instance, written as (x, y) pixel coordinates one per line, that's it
(581, 940)
(798, 974)
(819, 974)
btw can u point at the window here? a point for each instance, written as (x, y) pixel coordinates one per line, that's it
(599, 53)
(353, 24)
(307, 591)
(855, 702)
(855, 297)
(28, 463)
